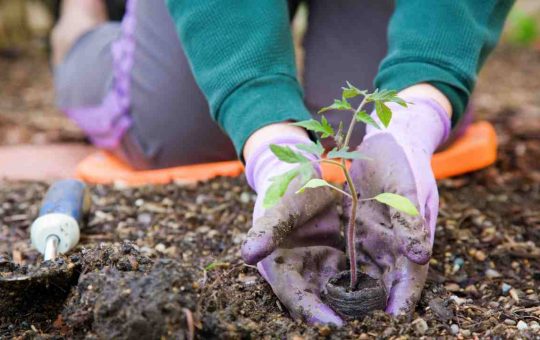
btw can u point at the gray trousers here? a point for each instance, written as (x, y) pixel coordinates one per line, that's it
(171, 124)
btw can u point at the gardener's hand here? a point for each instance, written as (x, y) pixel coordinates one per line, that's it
(392, 245)
(294, 243)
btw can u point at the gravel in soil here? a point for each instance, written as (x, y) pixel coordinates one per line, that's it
(164, 261)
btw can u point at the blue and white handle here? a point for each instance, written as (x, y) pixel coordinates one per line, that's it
(62, 211)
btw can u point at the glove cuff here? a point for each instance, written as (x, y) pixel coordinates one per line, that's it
(424, 122)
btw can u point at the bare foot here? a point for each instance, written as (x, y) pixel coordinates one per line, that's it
(76, 18)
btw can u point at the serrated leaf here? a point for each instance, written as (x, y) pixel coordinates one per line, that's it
(340, 105)
(384, 113)
(345, 153)
(278, 188)
(314, 183)
(322, 127)
(397, 202)
(385, 96)
(287, 155)
(351, 91)
(328, 129)
(313, 148)
(363, 116)
(399, 101)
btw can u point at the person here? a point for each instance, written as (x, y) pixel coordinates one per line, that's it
(185, 82)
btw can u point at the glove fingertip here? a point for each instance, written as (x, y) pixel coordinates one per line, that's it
(254, 251)
(417, 252)
(325, 315)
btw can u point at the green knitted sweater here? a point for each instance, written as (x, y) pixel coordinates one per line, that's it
(242, 55)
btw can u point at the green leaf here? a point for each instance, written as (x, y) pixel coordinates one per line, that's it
(278, 188)
(363, 116)
(328, 129)
(341, 105)
(306, 171)
(215, 265)
(313, 148)
(345, 153)
(385, 96)
(313, 125)
(350, 91)
(314, 183)
(397, 202)
(384, 113)
(287, 155)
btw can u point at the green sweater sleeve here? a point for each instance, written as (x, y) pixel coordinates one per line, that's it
(441, 42)
(241, 53)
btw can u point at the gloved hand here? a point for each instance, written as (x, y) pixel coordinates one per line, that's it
(295, 243)
(392, 245)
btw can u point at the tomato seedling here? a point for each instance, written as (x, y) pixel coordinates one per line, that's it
(338, 157)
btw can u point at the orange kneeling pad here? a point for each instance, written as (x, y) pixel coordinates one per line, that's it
(476, 149)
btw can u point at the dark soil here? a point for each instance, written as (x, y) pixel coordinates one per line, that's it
(183, 270)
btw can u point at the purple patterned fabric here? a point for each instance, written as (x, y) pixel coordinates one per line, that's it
(106, 124)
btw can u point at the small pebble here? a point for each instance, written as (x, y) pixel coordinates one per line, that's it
(248, 280)
(421, 326)
(480, 256)
(535, 326)
(203, 229)
(457, 300)
(144, 218)
(505, 288)
(493, 304)
(492, 274)
(454, 329)
(160, 247)
(452, 287)
(466, 333)
(325, 330)
(522, 325)
(458, 263)
(514, 294)
(245, 197)
(509, 322)
(471, 289)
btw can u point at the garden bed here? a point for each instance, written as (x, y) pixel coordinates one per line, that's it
(165, 260)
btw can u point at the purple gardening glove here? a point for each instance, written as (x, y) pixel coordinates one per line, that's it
(294, 244)
(392, 245)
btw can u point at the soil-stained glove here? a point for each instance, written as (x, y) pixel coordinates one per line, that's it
(294, 243)
(392, 245)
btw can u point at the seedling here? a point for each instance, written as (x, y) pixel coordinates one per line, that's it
(338, 157)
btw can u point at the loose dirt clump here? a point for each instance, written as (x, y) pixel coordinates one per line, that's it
(111, 303)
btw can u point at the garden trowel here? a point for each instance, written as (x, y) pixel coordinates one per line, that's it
(54, 232)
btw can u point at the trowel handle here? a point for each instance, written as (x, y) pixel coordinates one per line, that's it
(65, 205)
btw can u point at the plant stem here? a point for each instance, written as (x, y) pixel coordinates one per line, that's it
(353, 121)
(340, 191)
(351, 228)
